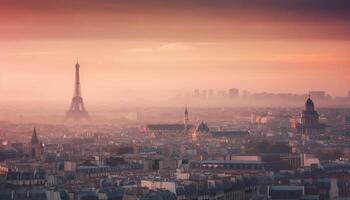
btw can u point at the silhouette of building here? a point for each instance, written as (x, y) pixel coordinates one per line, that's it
(77, 109)
(318, 95)
(27, 178)
(186, 121)
(233, 92)
(201, 129)
(309, 119)
(36, 147)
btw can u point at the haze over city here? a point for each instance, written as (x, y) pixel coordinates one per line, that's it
(154, 50)
(174, 100)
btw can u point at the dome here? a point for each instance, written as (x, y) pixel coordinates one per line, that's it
(202, 128)
(309, 105)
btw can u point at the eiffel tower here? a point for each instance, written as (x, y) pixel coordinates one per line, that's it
(77, 109)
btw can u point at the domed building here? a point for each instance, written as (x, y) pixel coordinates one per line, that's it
(309, 119)
(201, 129)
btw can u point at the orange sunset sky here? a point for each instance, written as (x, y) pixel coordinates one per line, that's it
(157, 48)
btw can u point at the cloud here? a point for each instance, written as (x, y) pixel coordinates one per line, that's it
(173, 46)
(194, 5)
(161, 19)
(140, 50)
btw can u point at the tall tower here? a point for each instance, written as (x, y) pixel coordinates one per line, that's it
(309, 119)
(77, 109)
(36, 147)
(186, 120)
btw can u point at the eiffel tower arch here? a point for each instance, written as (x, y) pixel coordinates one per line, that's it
(77, 109)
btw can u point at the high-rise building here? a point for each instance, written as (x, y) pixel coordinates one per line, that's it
(317, 95)
(309, 119)
(233, 92)
(222, 93)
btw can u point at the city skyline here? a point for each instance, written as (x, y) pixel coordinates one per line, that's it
(174, 100)
(170, 92)
(130, 49)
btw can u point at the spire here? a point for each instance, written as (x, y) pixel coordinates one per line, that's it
(35, 139)
(77, 80)
(77, 65)
(186, 115)
(186, 120)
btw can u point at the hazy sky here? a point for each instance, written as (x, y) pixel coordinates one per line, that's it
(131, 48)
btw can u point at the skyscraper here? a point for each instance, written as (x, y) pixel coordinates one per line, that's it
(318, 95)
(233, 92)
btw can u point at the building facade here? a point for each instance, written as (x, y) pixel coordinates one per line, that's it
(309, 120)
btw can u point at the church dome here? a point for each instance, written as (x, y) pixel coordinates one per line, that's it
(309, 105)
(202, 128)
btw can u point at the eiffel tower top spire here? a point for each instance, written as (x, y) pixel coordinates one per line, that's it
(77, 90)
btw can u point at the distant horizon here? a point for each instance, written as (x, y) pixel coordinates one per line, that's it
(142, 49)
(181, 101)
(166, 95)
